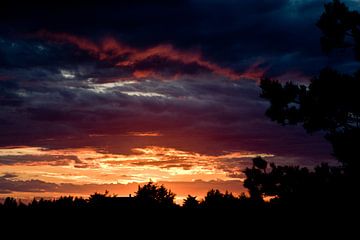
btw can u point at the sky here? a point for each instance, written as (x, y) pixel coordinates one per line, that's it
(105, 94)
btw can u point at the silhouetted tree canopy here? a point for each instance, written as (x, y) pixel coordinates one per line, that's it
(260, 163)
(340, 28)
(10, 203)
(152, 195)
(331, 102)
(293, 185)
(216, 199)
(191, 202)
(254, 178)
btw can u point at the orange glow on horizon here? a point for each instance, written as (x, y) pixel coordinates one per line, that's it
(83, 171)
(88, 165)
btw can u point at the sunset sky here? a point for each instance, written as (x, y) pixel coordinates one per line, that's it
(110, 94)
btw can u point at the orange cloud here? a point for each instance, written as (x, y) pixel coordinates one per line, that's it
(42, 172)
(90, 165)
(112, 50)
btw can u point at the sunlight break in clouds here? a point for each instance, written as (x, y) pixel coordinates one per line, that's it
(87, 165)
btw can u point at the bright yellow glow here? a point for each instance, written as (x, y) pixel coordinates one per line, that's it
(87, 165)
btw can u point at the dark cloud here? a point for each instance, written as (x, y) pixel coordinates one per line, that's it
(8, 176)
(206, 116)
(52, 160)
(231, 33)
(8, 186)
(8, 96)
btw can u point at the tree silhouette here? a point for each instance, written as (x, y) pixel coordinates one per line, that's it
(216, 199)
(152, 195)
(99, 200)
(10, 203)
(340, 28)
(191, 202)
(296, 186)
(260, 163)
(255, 179)
(331, 102)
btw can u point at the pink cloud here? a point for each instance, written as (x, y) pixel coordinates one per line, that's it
(122, 55)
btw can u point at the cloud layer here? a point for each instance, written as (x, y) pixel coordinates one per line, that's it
(86, 83)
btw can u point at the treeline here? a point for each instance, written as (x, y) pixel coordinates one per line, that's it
(156, 199)
(303, 203)
(148, 196)
(269, 187)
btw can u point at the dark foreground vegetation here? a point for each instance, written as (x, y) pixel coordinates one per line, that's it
(304, 203)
